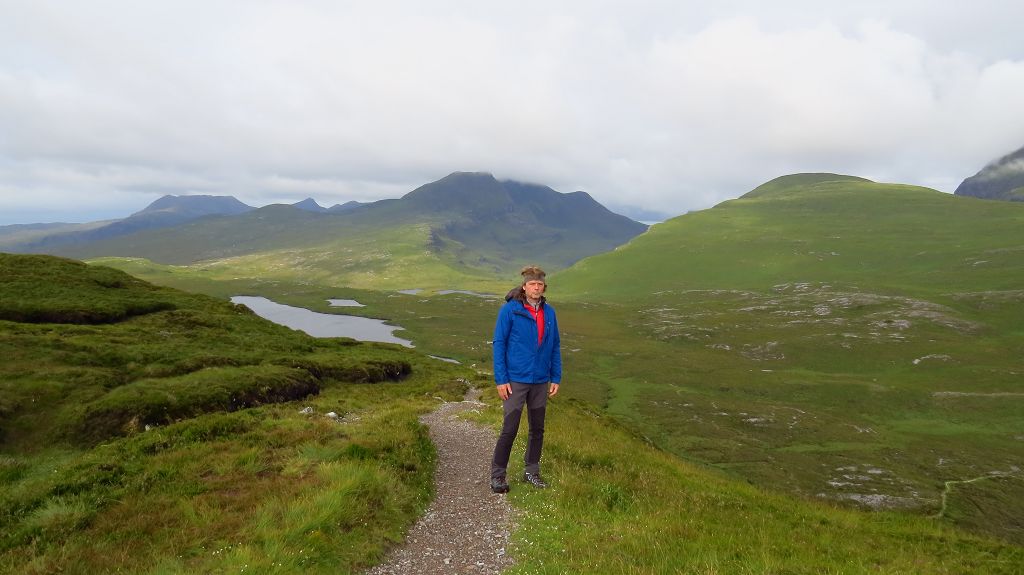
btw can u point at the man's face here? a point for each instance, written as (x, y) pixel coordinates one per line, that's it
(534, 289)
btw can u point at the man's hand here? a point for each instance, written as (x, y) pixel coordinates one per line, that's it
(504, 391)
(552, 389)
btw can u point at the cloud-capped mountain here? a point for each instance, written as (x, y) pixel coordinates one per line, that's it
(1002, 179)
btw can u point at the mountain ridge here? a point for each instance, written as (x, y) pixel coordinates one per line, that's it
(166, 212)
(469, 222)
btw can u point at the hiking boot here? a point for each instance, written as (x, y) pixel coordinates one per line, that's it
(499, 485)
(535, 480)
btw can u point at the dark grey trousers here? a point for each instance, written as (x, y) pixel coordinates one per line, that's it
(535, 398)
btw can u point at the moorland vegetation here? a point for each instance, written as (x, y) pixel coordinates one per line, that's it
(819, 377)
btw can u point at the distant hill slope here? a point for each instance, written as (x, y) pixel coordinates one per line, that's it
(818, 228)
(208, 238)
(16, 235)
(165, 212)
(1002, 179)
(464, 225)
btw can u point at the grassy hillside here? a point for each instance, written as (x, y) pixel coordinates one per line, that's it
(885, 238)
(618, 505)
(146, 430)
(271, 490)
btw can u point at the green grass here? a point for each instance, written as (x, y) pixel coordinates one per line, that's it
(619, 505)
(171, 439)
(268, 489)
(974, 503)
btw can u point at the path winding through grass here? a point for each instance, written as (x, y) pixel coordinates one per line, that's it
(466, 529)
(950, 484)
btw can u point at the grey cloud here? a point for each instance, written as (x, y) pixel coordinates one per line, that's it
(667, 106)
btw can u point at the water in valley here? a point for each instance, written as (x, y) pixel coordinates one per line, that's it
(322, 324)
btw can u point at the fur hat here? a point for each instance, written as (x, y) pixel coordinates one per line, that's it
(533, 273)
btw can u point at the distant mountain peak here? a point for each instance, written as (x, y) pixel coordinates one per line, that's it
(310, 205)
(472, 192)
(469, 176)
(1002, 179)
(197, 205)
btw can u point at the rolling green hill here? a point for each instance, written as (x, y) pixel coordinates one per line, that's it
(458, 232)
(805, 229)
(230, 476)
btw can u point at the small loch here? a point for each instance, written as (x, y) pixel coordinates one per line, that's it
(323, 324)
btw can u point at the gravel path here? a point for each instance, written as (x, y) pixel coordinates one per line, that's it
(466, 528)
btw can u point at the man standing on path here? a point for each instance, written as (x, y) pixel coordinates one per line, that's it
(527, 370)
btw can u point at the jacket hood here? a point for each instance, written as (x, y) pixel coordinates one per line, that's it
(519, 294)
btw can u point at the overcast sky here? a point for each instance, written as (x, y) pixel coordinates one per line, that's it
(663, 105)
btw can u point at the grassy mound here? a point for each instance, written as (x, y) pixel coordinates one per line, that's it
(57, 290)
(189, 354)
(140, 404)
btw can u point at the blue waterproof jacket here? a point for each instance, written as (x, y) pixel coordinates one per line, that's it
(517, 355)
